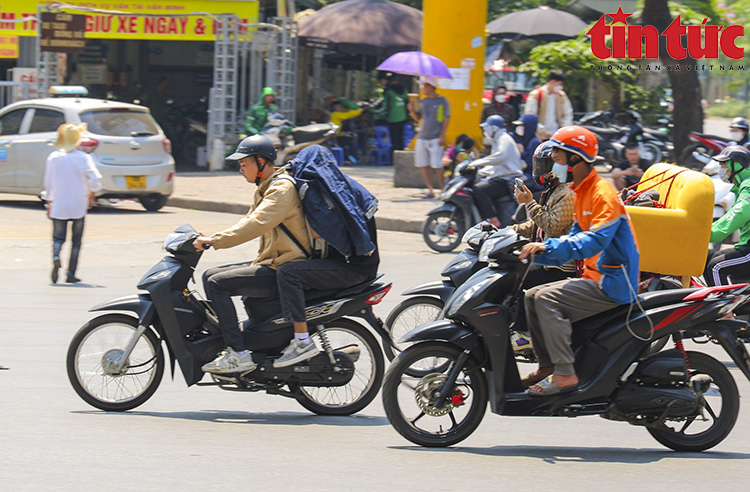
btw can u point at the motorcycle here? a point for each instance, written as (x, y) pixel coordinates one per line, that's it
(115, 361)
(289, 139)
(446, 224)
(653, 145)
(704, 146)
(435, 393)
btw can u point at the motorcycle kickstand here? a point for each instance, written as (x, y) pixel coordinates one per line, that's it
(326, 344)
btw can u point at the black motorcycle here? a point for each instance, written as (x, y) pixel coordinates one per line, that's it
(436, 391)
(116, 361)
(446, 224)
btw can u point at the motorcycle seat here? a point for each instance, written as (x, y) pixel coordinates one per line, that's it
(608, 132)
(309, 133)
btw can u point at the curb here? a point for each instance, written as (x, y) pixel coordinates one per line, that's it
(384, 223)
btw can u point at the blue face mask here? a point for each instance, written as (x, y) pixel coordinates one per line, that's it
(561, 172)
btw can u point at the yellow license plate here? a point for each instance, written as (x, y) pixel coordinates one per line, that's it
(136, 182)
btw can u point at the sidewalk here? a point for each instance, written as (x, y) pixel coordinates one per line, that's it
(401, 209)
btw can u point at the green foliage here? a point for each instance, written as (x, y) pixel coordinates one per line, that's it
(497, 8)
(729, 109)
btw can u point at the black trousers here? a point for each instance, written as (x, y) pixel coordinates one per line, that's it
(293, 279)
(485, 194)
(238, 279)
(725, 263)
(397, 135)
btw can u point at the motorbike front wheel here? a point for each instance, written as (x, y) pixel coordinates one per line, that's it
(93, 356)
(651, 152)
(408, 400)
(407, 315)
(442, 231)
(716, 417)
(368, 371)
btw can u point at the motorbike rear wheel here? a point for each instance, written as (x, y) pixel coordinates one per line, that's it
(407, 315)
(442, 231)
(687, 159)
(651, 152)
(721, 404)
(368, 371)
(408, 399)
(92, 355)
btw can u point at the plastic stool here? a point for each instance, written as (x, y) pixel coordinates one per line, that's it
(338, 153)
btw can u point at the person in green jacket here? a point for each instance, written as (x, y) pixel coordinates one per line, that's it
(395, 113)
(257, 115)
(735, 161)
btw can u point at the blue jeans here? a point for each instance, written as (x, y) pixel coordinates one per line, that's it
(59, 233)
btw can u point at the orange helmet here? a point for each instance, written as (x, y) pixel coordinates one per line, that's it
(578, 140)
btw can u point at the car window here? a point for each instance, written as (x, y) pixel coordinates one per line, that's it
(10, 124)
(46, 120)
(120, 122)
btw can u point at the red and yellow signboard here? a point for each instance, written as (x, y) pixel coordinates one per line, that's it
(122, 21)
(8, 46)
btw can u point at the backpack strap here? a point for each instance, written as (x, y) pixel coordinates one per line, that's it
(294, 239)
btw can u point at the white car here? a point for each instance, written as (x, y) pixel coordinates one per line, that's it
(131, 151)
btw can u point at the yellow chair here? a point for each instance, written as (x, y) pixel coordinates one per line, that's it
(674, 240)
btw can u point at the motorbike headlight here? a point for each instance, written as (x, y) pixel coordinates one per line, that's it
(454, 304)
(487, 246)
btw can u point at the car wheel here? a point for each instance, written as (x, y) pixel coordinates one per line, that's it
(152, 203)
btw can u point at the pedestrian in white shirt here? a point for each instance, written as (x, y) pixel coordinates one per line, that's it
(71, 180)
(551, 105)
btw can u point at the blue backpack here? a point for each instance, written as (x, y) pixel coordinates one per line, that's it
(337, 208)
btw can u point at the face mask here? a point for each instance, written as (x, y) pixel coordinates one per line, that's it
(561, 172)
(500, 98)
(519, 131)
(560, 87)
(736, 136)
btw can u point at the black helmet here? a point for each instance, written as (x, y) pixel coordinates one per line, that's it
(542, 162)
(741, 123)
(254, 145)
(736, 153)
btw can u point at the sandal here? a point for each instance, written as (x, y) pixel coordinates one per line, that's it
(548, 387)
(534, 377)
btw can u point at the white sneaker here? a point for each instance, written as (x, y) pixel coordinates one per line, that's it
(296, 352)
(229, 362)
(520, 342)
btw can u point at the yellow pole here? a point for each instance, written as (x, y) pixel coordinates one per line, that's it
(455, 32)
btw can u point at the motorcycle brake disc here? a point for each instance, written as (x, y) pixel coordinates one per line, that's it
(425, 392)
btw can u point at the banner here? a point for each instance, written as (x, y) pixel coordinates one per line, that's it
(164, 23)
(8, 46)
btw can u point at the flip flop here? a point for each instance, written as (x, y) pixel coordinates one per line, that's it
(549, 387)
(532, 378)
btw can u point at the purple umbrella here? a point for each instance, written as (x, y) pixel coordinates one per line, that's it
(416, 63)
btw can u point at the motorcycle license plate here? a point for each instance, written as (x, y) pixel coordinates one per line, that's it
(135, 182)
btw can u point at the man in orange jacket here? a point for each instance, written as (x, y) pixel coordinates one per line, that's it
(603, 237)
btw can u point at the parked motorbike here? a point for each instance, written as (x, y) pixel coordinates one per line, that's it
(116, 361)
(446, 224)
(704, 146)
(654, 145)
(289, 139)
(435, 392)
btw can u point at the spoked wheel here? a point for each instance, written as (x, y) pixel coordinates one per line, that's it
(442, 231)
(716, 416)
(651, 152)
(95, 353)
(368, 371)
(408, 400)
(407, 315)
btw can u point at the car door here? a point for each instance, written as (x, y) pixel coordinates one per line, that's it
(34, 145)
(11, 123)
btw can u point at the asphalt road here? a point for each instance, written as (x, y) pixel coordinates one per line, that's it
(208, 439)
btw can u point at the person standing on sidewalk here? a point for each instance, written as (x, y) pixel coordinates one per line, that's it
(435, 113)
(395, 104)
(71, 180)
(550, 104)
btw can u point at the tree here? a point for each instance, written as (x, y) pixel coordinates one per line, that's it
(686, 88)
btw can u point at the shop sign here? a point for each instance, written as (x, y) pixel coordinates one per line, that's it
(8, 46)
(163, 22)
(62, 32)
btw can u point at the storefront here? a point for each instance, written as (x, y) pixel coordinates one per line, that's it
(134, 50)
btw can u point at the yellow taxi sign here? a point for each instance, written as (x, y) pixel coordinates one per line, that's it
(68, 90)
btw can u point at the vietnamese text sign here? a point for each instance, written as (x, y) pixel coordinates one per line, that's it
(62, 32)
(163, 22)
(8, 46)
